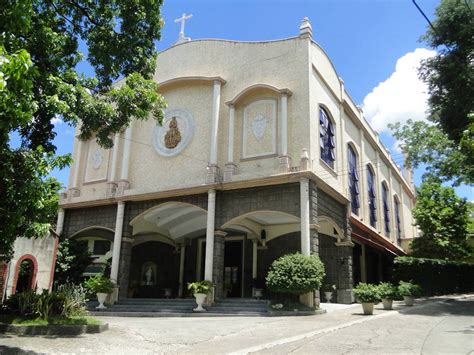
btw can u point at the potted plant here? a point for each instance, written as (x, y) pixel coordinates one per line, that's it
(328, 290)
(367, 294)
(388, 292)
(200, 290)
(409, 291)
(101, 286)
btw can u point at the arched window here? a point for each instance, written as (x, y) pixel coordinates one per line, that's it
(327, 139)
(386, 212)
(353, 181)
(372, 196)
(398, 223)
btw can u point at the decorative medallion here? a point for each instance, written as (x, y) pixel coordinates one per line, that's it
(173, 136)
(175, 133)
(97, 159)
(259, 125)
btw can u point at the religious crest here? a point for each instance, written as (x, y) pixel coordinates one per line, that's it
(175, 133)
(97, 159)
(173, 136)
(259, 125)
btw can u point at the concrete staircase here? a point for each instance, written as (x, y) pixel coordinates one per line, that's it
(158, 307)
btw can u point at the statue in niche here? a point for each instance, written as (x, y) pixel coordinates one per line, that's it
(148, 277)
(173, 136)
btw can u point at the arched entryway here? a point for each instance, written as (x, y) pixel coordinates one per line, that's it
(167, 242)
(253, 241)
(25, 274)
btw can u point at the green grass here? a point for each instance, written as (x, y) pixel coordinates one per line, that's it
(17, 320)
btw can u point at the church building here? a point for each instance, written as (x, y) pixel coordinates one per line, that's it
(262, 152)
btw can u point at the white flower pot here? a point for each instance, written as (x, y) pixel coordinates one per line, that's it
(387, 303)
(368, 307)
(200, 298)
(328, 296)
(101, 297)
(409, 300)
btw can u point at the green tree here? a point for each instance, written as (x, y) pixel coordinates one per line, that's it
(39, 53)
(72, 260)
(443, 220)
(447, 143)
(450, 74)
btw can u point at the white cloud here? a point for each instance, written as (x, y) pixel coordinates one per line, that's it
(56, 120)
(402, 96)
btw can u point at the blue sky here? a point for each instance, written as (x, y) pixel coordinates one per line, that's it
(364, 39)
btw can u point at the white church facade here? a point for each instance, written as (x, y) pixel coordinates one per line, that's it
(262, 152)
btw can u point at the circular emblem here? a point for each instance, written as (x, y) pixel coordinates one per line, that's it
(174, 134)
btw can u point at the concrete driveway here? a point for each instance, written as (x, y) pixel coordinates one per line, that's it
(435, 326)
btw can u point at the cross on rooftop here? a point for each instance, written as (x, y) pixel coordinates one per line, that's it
(183, 19)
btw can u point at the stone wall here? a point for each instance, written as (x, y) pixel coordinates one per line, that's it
(80, 218)
(234, 203)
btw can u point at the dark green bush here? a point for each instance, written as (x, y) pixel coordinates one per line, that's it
(295, 274)
(435, 276)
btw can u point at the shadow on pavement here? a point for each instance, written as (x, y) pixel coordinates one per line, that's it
(443, 306)
(11, 350)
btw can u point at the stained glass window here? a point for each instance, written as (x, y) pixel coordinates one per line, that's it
(397, 219)
(386, 212)
(372, 197)
(353, 181)
(327, 138)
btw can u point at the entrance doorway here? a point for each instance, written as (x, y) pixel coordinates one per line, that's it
(233, 268)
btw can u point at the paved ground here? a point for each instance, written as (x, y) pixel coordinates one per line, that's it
(435, 326)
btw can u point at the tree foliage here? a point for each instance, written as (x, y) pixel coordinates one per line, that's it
(443, 219)
(426, 144)
(447, 145)
(39, 82)
(72, 260)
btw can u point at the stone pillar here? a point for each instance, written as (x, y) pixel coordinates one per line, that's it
(284, 159)
(124, 267)
(230, 167)
(117, 242)
(254, 259)
(112, 184)
(211, 215)
(181, 270)
(363, 197)
(304, 215)
(363, 265)
(75, 191)
(314, 237)
(218, 264)
(216, 99)
(60, 221)
(345, 280)
(377, 182)
(124, 184)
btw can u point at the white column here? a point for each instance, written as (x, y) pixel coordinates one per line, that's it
(117, 242)
(284, 124)
(126, 153)
(77, 163)
(113, 168)
(181, 270)
(230, 148)
(254, 259)
(60, 222)
(304, 212)
(216, 99)
(211, 210)
(391, 207)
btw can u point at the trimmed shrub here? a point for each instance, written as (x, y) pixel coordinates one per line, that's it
(366, 293)
(387, 290)
(409, 289)
(295, 274)
(435, 276)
